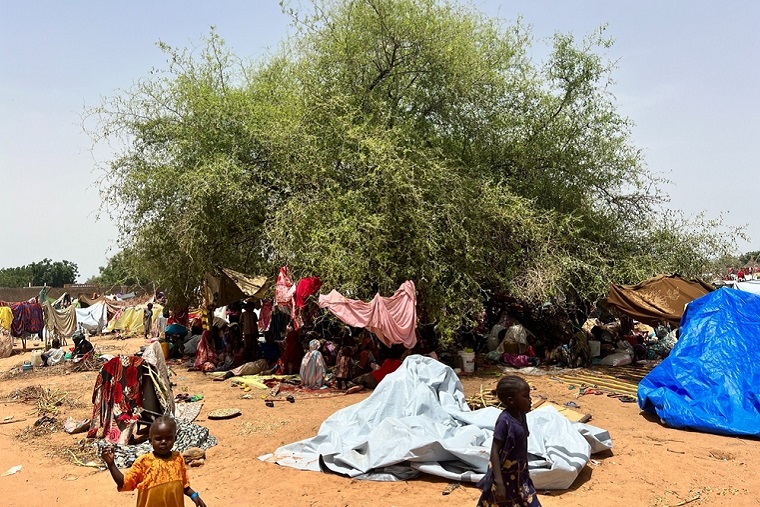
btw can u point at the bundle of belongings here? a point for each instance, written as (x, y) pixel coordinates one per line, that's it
(417, 421)
(131, 391)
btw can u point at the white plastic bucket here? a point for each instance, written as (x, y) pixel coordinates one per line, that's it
(468, 361)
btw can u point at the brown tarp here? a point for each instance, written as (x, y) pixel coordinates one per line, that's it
(663, 297)
(233, 286)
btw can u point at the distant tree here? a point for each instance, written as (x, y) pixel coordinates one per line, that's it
(749, 258)
(45, 272)
(121, 269)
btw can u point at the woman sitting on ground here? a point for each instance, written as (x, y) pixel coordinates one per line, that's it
(82, 346)
(313, 369)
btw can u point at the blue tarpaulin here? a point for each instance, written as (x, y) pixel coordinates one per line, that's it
(710, 381)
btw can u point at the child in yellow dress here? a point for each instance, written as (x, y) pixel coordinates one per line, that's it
(160, 477)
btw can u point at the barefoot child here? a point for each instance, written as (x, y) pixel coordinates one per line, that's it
(507, 482)
(160, 477)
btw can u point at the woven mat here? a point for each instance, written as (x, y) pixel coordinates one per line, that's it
(187, 411)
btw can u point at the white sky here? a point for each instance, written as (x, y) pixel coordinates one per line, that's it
(687, 76)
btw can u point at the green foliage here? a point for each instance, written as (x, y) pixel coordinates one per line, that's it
(45, 272)
(122, 269)
(392, 140)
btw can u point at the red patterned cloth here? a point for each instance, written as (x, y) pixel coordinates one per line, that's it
(205, 357)
(117, 399)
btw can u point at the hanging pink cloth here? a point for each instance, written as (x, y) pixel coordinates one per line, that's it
(393, 319)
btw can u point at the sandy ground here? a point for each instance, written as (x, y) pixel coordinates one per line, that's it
(650, 465)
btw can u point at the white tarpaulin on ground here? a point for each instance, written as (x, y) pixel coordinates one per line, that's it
(417, 420)
(94, 318)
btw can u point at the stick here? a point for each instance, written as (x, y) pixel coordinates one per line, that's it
(685, 502)
(12, 421)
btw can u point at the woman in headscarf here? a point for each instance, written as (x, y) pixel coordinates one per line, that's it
(313, 369)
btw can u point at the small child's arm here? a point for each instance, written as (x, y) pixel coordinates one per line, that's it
(118, 477)
(195, 497)
(500, 489)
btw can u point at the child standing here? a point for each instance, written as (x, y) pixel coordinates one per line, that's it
(160, 477)
(343, 366)
(507, 482)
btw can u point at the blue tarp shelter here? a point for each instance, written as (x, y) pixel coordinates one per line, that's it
(711, 380)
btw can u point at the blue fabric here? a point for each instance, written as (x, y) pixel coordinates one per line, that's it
(709, 381)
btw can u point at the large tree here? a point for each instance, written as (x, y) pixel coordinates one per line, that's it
(392, 140)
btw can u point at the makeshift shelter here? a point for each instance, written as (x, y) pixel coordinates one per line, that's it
(709, 381)
(663, 297)
(417, 421)
(93, 318)
(130, 319)
(232, 286)
(393, 319)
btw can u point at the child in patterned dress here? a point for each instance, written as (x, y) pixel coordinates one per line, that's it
(507, 482)
(160, 477)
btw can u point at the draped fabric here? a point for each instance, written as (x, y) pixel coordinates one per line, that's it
(392, 319)
(285, 289)
(159, 374)
(63, 322)
(6, 343)
(93, 318)
(117, 399)
(305, 288)
(205, 356)
(265, 315)
(27, 318)
(6, 317)
(657, 299)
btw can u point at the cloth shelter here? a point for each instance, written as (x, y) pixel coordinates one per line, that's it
(130, 319)
(417, 421)
(59, 322)
(663, 297)
(709, 381)
(232, 286)
(393, 319)
(93, 318)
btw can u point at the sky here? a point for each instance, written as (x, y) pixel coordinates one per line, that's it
(687, 76)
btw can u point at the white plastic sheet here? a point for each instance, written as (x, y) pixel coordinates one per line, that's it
(417, 420)
(94, 318)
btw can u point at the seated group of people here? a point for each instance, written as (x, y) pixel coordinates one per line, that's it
(222, 349)
(56, 354)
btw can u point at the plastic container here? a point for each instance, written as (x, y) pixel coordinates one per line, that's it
(36, 358)
(468, 361)
(595, 348)
(165, 349)
(27, 366)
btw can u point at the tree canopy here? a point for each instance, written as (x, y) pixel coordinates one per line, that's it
(45, 272)
(391, 140)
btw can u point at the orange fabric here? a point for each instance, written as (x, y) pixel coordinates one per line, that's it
(158, 481)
